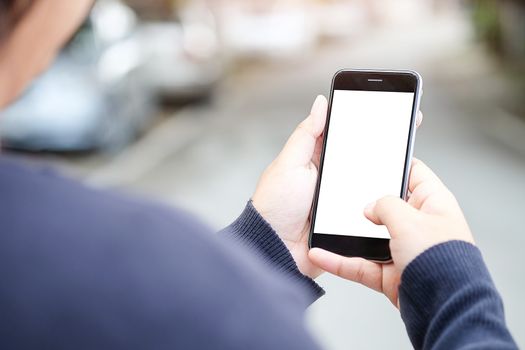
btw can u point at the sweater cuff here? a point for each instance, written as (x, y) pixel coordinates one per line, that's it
(432, 278)
(254, 232)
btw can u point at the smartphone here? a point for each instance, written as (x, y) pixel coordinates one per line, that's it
(368, 141)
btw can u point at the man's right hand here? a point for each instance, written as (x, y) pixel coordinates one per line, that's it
(431, 216)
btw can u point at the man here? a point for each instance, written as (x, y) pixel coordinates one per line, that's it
(89, 269)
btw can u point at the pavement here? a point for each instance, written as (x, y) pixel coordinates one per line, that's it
(207, 158)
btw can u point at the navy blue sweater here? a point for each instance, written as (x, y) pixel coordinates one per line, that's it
(86, 269)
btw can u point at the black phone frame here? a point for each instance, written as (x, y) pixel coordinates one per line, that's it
(376, 249)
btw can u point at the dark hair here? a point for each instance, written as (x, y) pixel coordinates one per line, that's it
(11, 11)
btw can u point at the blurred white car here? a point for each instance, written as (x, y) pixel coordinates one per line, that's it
(79, 104)
(69, 109)
(181, 61)
(103, 89)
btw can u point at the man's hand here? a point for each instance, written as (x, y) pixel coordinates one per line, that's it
(286, 188)
(431, 216)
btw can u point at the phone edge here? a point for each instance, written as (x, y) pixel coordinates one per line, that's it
(410, 146)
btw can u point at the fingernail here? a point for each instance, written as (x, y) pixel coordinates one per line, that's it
(316, 107)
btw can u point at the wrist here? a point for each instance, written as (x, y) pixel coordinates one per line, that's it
(299, 251)
(254, 232)
(444, 276)
(293, 235)
(434, 275)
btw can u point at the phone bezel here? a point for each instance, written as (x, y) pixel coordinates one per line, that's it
(376, 249)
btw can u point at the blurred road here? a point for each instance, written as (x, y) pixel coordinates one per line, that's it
(208, 158)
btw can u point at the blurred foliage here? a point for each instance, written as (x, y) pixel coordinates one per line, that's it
(501, 25)
(153, 9)
(486, 17)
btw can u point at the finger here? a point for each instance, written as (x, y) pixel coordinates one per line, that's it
(423, 185)
(318, 115)
(419, 119)
(300, 147)
(420, 173)
(393, 212)
(316, 158)
(358, 270)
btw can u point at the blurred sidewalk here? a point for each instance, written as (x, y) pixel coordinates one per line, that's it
(208, 158)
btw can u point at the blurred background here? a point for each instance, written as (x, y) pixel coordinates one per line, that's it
(186, 102)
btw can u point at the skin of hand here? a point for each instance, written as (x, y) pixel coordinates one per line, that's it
(286, 189)
(431, 216)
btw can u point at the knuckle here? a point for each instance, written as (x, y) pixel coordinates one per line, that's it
(305, 127)
(360, 272)
(339, 271)
(386, 202)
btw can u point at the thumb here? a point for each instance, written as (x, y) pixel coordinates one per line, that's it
(393, 212)
(301, 145)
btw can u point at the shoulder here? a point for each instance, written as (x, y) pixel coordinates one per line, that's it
(69, 252)
(39, 198)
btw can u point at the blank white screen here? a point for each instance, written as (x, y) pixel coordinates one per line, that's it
(364, 159)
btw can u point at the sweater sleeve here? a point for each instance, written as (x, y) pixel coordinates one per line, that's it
(252, 231)
(449, 301)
